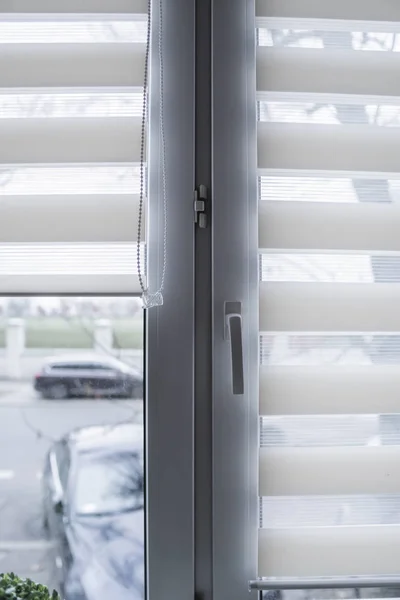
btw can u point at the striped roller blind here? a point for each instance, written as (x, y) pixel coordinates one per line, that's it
(329, 237)
(71, 77)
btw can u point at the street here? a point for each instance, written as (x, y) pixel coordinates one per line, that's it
(27, 427)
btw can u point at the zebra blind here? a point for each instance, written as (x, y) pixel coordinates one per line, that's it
(71, 77)
(329, 238)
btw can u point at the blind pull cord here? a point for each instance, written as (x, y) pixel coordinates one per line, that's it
(151, 299)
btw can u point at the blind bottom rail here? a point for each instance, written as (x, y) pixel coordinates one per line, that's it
(319, 583)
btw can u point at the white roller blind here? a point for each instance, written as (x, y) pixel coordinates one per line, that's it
(329, 230)
(71, 77)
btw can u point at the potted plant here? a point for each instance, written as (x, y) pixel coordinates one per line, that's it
(13, 587)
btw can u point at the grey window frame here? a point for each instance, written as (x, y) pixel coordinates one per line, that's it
(169, 330)
(235, 278)
(202, 514)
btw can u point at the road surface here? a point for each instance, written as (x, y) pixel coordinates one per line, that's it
(27, 426)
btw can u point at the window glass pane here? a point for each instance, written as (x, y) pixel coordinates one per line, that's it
(88, 407)
(339, 40)
(109, 484)
(313, 113)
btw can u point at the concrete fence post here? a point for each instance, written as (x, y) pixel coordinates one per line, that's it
(15, 346)
(103, 336)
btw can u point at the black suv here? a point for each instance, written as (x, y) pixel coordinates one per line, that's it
(89, 375)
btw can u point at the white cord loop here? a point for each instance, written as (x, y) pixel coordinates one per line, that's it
(151, 299)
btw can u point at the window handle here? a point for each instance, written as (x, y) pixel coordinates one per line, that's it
(233, 332)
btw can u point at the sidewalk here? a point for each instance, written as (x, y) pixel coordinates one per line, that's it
(16, 392)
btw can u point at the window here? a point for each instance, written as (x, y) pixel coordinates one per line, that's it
(271, 369)
(70, 117)
(302, 247)
(63, 462)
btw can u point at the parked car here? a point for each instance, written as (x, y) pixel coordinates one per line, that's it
(93, 508)
(88, 375)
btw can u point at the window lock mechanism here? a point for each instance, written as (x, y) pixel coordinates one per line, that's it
(200, 198)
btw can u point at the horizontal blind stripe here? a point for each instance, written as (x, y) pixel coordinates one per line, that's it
(68, 258)
(36, 180)
(283, 512)
(340, 267)
(317, 109)
(303, 431)
(328, 71)
(329, 551)
(54, 103)
(71, 65)
(352, 348)
(286, 471)
(329, 307)
(60, 284)
(74, 6)
(70, 140)
(357, 10)
(329, 390)
(69, 218)
(351, 147)
(314, 226)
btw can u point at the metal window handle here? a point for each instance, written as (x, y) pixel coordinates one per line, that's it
(233, 332)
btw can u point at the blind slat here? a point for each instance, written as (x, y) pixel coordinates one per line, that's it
(74, 6)
(315, 225)
(88, 140)
(302, 471)
(71, 65)
(332, 71)
(327, 307)
(329, 390)
(329, 551)
(54, 218)
(59, 284)
(328, 147)
(357, 10)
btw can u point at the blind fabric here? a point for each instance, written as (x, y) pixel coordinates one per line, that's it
(329, 220)
(74, 65)
(71, 77)
(136, 7)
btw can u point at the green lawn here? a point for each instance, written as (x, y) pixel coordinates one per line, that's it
(49, 332)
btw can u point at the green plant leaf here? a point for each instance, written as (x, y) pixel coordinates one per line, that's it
(13, 587)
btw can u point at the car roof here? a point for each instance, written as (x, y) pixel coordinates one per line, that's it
(106, 438)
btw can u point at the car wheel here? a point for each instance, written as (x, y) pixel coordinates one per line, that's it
(57, 391)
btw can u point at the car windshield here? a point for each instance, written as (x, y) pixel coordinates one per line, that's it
(108, 484)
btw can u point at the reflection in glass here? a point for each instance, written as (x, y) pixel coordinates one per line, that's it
(109, 484)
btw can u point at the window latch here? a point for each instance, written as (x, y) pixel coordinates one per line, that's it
(200, 199)
(233, 332)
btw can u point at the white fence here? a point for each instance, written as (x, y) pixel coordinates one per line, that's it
(18, 362)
